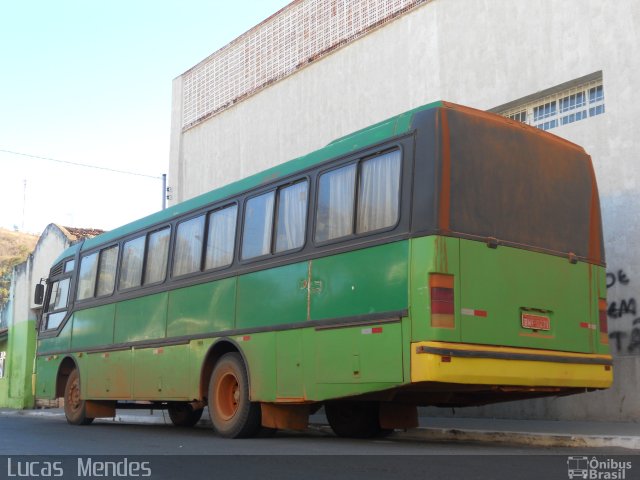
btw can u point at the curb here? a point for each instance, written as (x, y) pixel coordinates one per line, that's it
(518, 438)
(422, 434)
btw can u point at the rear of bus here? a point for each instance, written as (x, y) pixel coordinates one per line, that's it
(507, 287)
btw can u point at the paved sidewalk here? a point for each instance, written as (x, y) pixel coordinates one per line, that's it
(438, 429)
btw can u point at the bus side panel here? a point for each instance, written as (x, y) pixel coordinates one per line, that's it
(259, 351)
(289, 365)
(161, 373)
(433, 254)
(61, 343)
(46, 374)
(93, 327)
(107, 375)
(362, 354)
(143, 318)
(372, 280)
(209, 307)
(272, 297)
(197, 351)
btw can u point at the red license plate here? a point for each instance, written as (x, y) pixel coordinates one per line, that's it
(536, 322)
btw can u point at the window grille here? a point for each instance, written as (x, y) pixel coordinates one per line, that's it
(560, 108)
(299, 34)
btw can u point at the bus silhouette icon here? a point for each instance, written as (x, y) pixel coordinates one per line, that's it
(578, 467)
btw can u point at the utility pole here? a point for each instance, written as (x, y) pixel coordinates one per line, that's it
(164, 191)
(24, 203)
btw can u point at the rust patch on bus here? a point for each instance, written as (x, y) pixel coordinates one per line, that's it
(308, 287)
(444, 207)
(100, 409)
(288, 417)
(441, 258)
(595, 222)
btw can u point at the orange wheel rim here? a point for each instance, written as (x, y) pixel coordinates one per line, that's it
(227, 396)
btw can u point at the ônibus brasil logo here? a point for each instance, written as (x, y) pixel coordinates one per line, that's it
(593, 468)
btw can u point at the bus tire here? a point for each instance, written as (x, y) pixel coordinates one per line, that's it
(354, 419)
(233, 415)
(183, 415)
(74, 407)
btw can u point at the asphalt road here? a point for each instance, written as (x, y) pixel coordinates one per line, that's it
(198, 453)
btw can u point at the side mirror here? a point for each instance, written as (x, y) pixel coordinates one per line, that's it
(38, 296)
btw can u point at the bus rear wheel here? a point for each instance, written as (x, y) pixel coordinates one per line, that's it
(75, 409)
(183, 415)
(355, 419)
(232, 413)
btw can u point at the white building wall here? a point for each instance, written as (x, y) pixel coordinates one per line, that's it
(481, 54)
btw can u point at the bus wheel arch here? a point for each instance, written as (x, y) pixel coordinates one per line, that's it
(64, 370)
(75, 408)
(215, 353)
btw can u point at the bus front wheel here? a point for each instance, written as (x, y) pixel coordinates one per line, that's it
(75, 409)
(232, 413)
(355, 419)
(183, 415)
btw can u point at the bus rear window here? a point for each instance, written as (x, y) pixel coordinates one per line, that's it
(524, 189)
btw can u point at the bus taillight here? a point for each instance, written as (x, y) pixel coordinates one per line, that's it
(442, 300)
(604, 325)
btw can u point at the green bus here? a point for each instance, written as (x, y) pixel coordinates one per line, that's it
(444, 257)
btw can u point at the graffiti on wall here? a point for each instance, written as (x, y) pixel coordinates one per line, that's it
(622, 311)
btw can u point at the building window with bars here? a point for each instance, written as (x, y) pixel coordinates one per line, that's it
(560, 106)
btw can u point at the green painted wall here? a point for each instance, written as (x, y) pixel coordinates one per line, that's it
(4, 383)
(15, 388)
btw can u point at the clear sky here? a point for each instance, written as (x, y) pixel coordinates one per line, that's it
(90, 82)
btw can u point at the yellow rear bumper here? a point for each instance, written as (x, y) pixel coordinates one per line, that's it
(490, 365)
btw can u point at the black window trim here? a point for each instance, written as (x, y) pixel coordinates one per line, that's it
(99, 251)
(276, 208)
(397, 146)
(406, 142)
(102, 250)
(276, 189)
(206, 212)
(235, 236)
(172, 247)
(95, 279)
(45, 312)
(146, 254)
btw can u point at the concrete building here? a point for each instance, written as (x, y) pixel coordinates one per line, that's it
(19, 335)
(320, 69)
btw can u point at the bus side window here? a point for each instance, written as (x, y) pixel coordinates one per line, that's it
(157, 253)
(379, 193)
(56, 308)
(187, 257)
(87, 277)
(292, 216)
(258, 222)
(221, 237)
(336, 195)
(107, 271)
(131, 268)
(59, 295)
